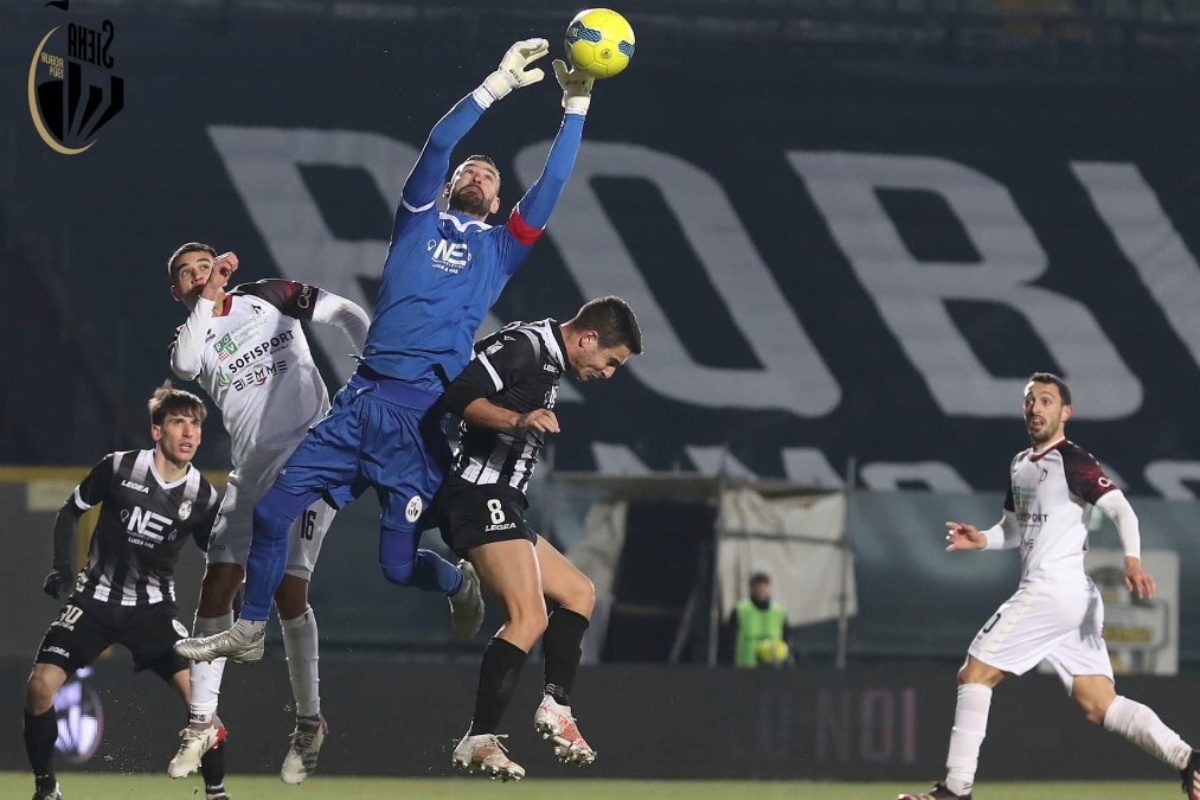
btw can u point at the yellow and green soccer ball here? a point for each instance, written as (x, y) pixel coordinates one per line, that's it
(773, 652)
(599, 42)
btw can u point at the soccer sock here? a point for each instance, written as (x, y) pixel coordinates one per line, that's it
(41, 732)
(300, 645)
(435, 574)
(560, 643)
(1140, 725)
(970, 727)
(498, 675)
(403, 564)
(206, 676)
(212, 767)
(273, 518)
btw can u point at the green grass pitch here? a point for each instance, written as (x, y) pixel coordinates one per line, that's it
(90, 786)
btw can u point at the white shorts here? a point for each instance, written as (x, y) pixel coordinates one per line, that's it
(1045, 621)
(234, 528)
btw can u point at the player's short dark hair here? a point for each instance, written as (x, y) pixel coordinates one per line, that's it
(1064, 391)
(759, 577)
(479, 157)
(613, 321)
(168, 400)
(183, 250)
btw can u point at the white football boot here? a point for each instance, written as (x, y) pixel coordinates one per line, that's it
(554, 722)
(485, 754)
(244, 643)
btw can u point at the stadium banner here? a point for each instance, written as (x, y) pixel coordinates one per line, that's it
(404, 719)
(829, 260)
(901, 572)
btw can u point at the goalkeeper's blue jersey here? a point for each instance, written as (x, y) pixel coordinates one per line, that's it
(444, 270)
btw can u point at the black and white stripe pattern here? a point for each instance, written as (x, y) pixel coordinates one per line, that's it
(143, 524)
(523, 363)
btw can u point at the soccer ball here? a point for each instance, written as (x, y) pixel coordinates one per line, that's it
(773, 652)
(599, 42)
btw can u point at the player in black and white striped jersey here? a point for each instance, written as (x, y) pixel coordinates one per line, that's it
(506, 397)
(151, 503)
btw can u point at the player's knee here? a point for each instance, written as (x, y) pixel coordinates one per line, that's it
(1093, 711)
(530, 620)
(583, 596)
(401, 575)
(39, 693)
(292, 597)
(275, 513)
(1094, 708)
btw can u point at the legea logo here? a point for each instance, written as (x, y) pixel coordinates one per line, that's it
(73, 92)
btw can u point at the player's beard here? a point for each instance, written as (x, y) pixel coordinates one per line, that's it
(473, 204)
(1049, 431)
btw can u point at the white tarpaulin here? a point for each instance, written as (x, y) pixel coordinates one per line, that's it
(795, 540)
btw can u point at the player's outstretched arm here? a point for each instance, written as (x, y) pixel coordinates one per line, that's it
(422, 185)
(533, 211)
(333, 309)
(961, 536)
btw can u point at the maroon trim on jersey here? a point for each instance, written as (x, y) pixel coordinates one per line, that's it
(292, 298)
(227, 306)
(1039, 456)
(521, 230)
(1085, 477)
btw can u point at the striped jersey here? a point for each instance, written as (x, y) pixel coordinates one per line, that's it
(1050, 499)
(254, 362)
(143, 524)
(518, 368)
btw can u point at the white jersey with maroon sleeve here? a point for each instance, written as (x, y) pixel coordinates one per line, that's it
(1050, 498)
(255, 363)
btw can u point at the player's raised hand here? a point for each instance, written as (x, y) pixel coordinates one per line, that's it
(57, 581)
(514, 71)
(576, 85)
(1137, 580)
(226, 264)
(961, 536)
(223, 266)
(540, 419)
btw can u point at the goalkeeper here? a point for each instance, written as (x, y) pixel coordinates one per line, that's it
(442, 273)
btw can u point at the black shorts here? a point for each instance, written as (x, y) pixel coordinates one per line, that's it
(85, 629)
(476, 515)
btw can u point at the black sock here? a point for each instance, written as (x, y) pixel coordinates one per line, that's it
(41, 732)
(560, 644)
(498, 674)
(212, 767)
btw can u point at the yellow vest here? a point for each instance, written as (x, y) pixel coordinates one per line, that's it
(755, 625)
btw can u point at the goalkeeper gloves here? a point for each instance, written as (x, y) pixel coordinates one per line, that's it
(514, 72)
(56, 581)
(577, 87)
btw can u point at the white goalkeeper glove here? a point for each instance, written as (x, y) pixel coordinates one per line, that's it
(514, 72)
(577, 87)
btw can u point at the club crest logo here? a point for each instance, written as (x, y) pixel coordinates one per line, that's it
(412, 511)
(185, 510)
(73, 91)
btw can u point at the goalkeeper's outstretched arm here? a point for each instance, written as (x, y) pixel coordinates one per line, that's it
(425, 181)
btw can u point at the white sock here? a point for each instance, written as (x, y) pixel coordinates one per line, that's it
(970, 727)
(300, 644)
(205, 676)
(1140, 725)
(254, 628)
